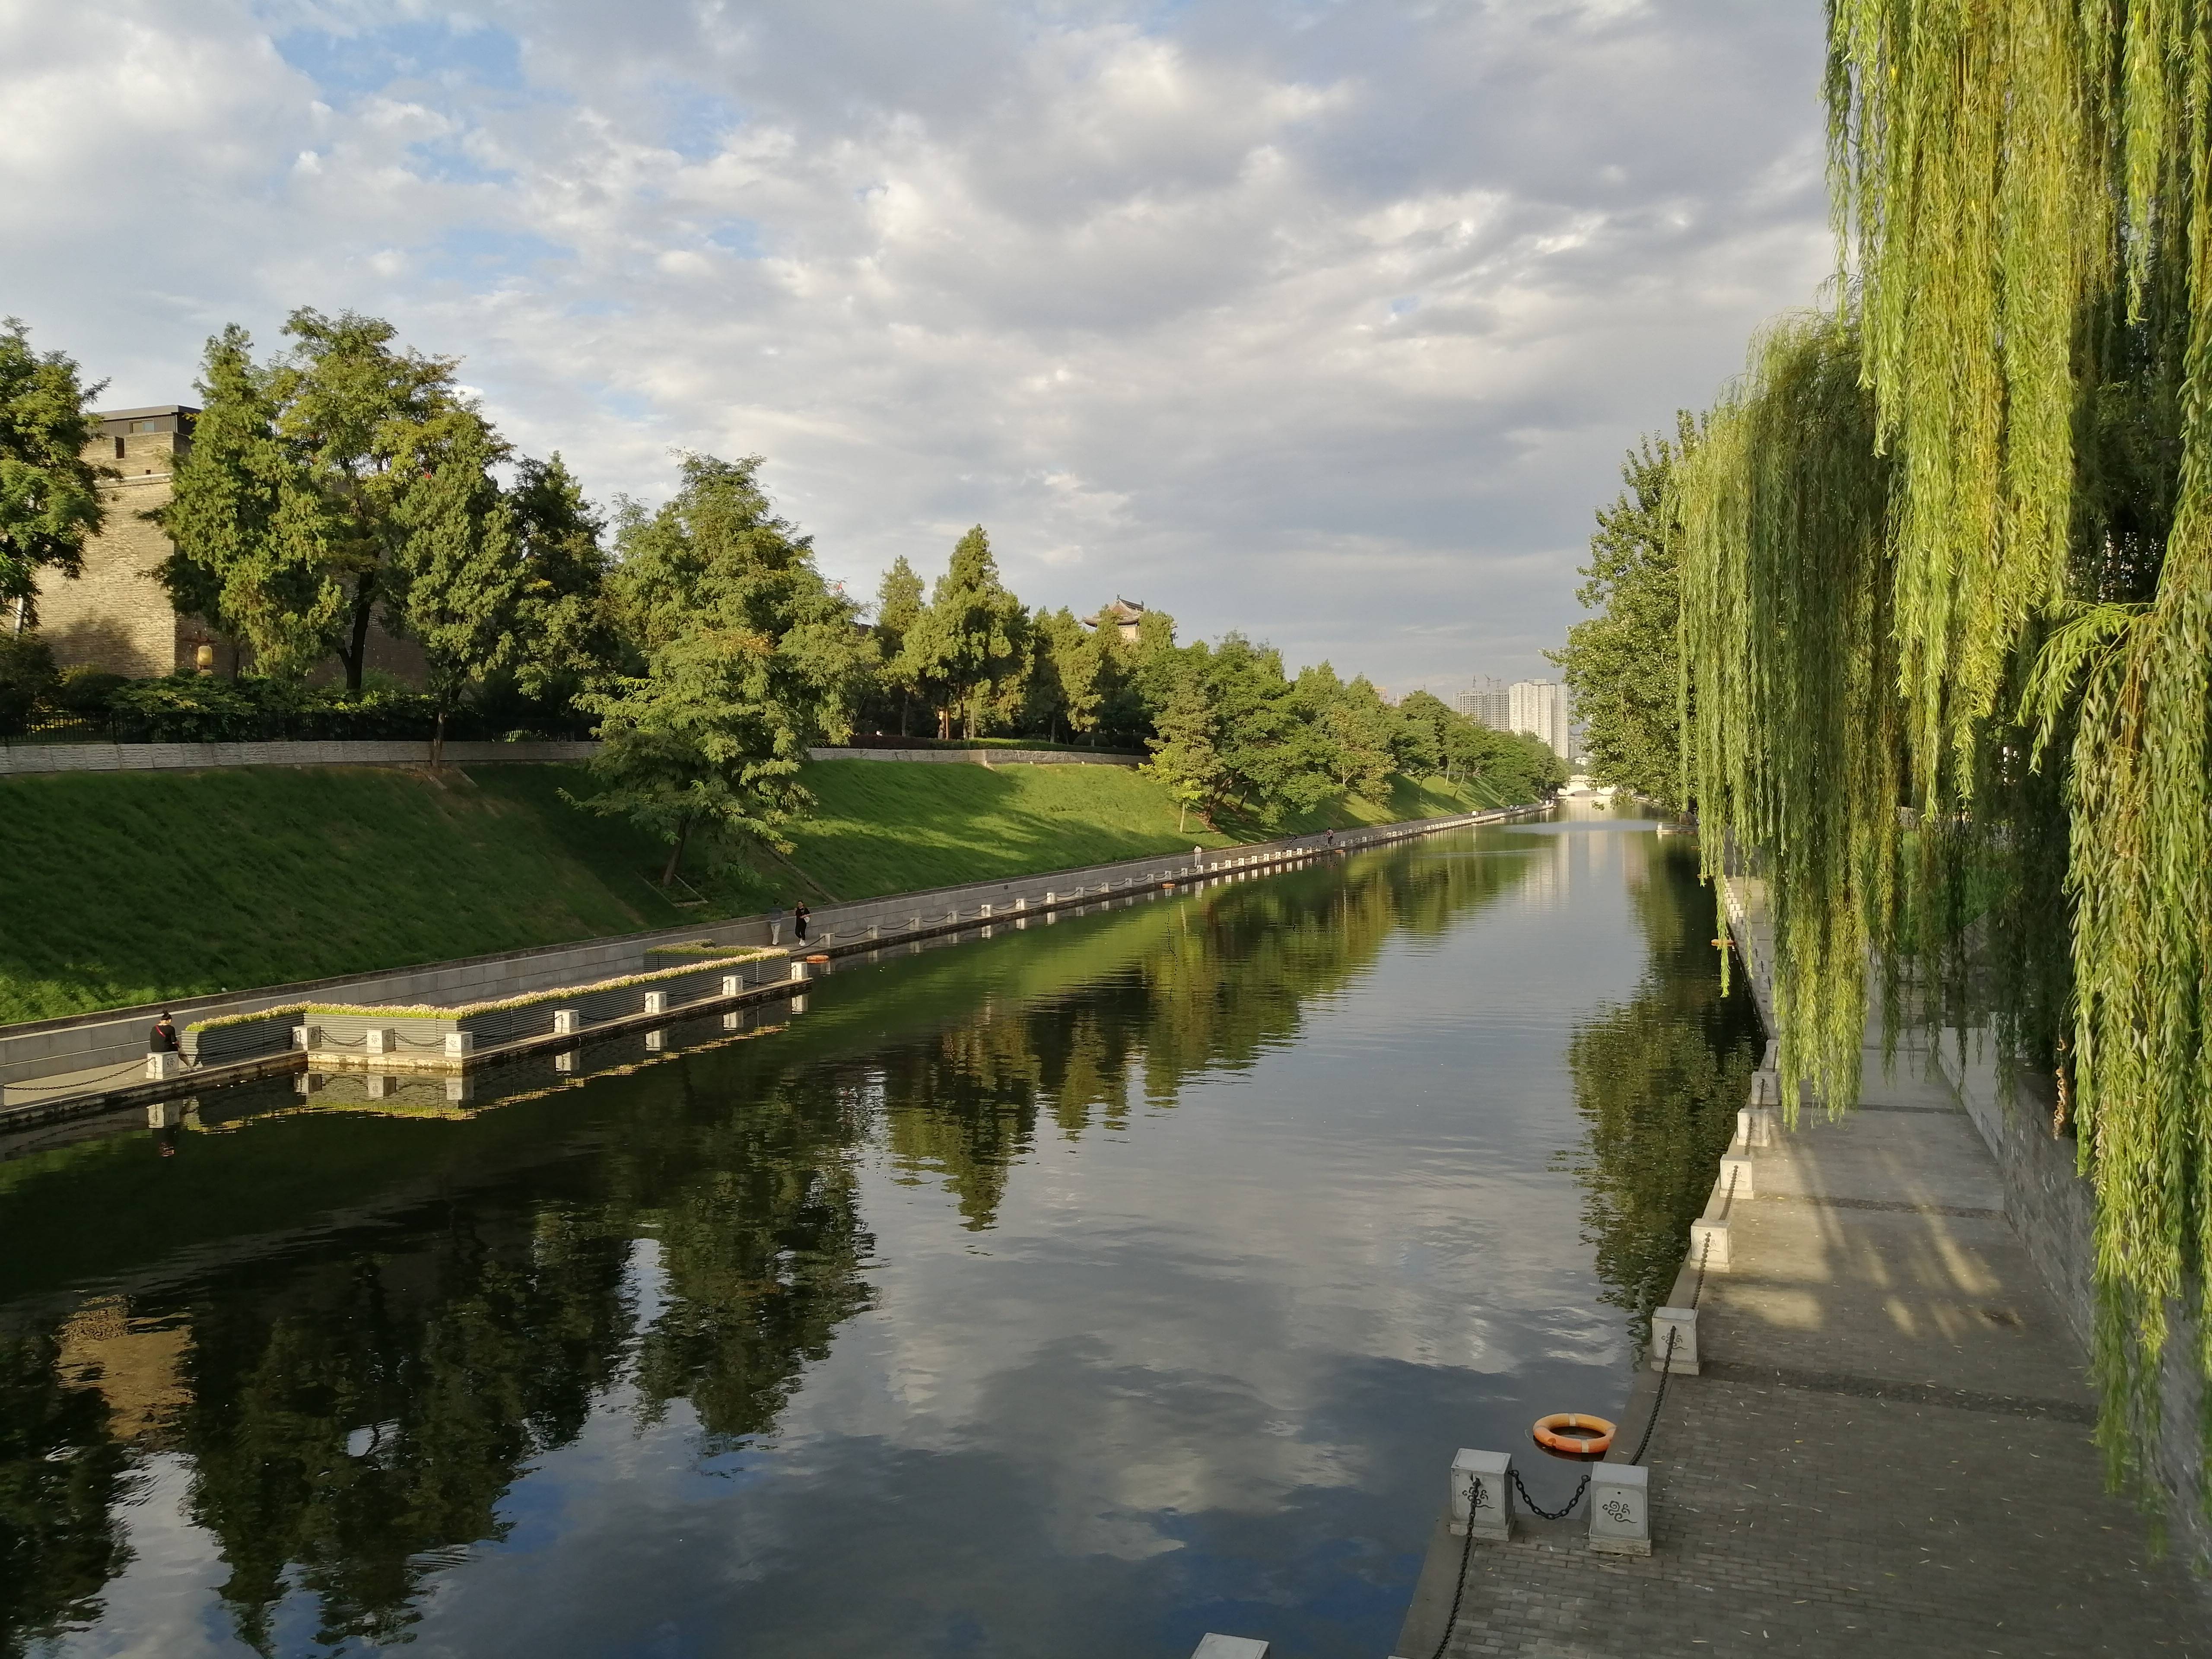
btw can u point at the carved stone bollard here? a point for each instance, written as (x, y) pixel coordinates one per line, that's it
(1620, 1508)
(1479, 1496)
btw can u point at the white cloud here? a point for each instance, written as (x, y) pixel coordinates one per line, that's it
(1326, 323)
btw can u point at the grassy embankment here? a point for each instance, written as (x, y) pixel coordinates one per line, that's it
(121, 888)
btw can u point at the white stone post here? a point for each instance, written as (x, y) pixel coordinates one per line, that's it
(1620, 1508)
(1677, 1327)
(1051, 897)
(800, 968)
(1735, 1177)
(1709, 1245)
(459, 1045)
(567, 1021)
(983, 913)
(732, 984)
(656, 1002)
(1479, 1487)
(306, 1038)
(162, 1064)
(380, 1040)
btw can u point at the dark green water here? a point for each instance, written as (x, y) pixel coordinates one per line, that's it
(1070, 1293)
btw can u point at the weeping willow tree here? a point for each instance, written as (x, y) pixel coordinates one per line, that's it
(1947, 563)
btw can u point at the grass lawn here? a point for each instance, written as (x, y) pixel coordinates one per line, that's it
(119, 888)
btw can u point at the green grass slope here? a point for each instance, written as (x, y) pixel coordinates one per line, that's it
(119, 888)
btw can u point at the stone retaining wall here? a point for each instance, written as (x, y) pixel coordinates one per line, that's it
(983, 757)
(16, 759)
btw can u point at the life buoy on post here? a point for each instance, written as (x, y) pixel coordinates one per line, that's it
(1575, 1434)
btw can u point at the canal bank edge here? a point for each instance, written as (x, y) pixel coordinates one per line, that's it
(54, 1056)
(1828, 1413)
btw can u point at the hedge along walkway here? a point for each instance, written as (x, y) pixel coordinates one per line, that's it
(1888, 1451)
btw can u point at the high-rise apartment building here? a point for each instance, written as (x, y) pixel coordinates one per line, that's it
(1541, 707)
(1485, 703)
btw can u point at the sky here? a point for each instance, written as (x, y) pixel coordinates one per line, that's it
(1327, 323)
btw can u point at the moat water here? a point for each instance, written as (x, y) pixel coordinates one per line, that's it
(1073, 1292)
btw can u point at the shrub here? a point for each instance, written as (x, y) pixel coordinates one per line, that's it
(85, 691)
(27, 674)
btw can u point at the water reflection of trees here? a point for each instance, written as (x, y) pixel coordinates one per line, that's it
(1658, 1080)
(352, 1407)
(1224, 981)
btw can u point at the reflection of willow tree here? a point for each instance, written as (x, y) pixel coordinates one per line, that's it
(358, 1418)
(61, 1476)
(1658, 1080)
(1226, 981)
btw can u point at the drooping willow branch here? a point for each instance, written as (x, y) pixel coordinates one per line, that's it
(1962, 531)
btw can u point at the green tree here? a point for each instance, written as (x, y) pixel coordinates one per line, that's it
(1271, 758)
(1355, 729)
(457, 584)
(1068, 676)
(290, 521)
(900, 600)
(1623, 665)
(248, 531)
(49, 493)
(1186, 755)
(972, 640)
(749, 656)
(567, 635)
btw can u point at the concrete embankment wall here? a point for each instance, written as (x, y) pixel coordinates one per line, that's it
(2047, 1201)
(23, 759)
(37, 1058)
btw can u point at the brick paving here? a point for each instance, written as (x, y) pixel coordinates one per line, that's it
(1887, 1452)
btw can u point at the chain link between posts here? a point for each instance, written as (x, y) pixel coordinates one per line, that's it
(1475, 1487)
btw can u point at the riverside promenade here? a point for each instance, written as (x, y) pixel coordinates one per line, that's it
(1888, 1448)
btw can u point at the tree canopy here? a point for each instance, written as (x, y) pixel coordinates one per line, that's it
(49, 493)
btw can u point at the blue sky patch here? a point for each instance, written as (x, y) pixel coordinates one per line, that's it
(480, 256)
(346, 66)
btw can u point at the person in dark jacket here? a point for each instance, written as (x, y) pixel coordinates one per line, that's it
(162, 1039)
(799, 915)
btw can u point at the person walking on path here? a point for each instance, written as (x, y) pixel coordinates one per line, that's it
(799, 915)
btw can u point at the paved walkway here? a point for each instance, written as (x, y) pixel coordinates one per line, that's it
(1888, 1450)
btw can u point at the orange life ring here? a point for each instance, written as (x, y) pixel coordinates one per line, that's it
(1574, 1434)
(819, 955)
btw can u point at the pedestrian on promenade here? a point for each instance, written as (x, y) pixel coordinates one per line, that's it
(1198, 858)
(162, 1039)
(1331, 840)
(798, 914)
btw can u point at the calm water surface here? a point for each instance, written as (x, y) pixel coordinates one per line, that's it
(1070, 1293)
